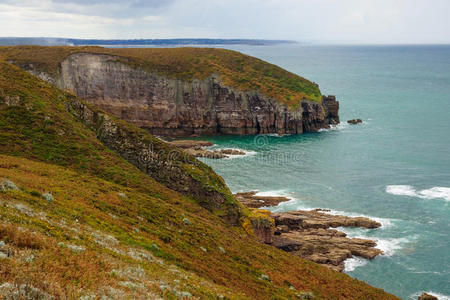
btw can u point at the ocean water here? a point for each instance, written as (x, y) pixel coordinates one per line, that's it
(394, 167)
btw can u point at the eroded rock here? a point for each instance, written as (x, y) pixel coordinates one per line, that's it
(168, 106)
(250, 199)
(317, 219)
(310, 234)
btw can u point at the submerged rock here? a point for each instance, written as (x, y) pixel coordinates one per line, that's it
(232, 151)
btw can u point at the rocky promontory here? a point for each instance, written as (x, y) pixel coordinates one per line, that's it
(311, 234)
(184, 92)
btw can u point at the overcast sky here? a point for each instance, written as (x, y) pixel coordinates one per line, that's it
(329, 21)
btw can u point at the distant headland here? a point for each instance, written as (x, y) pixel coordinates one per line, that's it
(45, 41)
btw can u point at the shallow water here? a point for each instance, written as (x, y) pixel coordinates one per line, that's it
(395, 166)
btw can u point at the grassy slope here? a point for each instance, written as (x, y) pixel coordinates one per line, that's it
(44, 148)
(41, 128)
(240, 71)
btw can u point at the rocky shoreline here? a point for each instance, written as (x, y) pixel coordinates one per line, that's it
(198, 149)
(311, 234)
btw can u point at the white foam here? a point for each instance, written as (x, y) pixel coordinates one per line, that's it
(402, 190)
(437, 192)
(277, 193)
(391, 245)
(339, 126)
(247, 153)
(439, 296)
(288, 204)
(283, 206)
(231, 156)
(352, 263)
(275, 134)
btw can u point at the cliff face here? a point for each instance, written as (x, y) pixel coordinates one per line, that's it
(168, 106)
(167, 164)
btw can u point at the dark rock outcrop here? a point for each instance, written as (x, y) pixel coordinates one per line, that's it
(426, 296)
(331, 107)
(168, 106)
(354, 121)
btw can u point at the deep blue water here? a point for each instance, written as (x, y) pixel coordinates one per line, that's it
(395, 166)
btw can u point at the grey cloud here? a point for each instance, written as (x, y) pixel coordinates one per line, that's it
(368, 21)
(124, 3)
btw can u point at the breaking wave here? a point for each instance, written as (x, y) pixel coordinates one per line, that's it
(437, 192)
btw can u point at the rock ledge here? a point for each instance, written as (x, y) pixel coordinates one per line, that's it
(310, 234)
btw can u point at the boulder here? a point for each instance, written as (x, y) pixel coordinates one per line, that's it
(231, 151)
(426, 296)
(48, 197)
(8, 185)
(354, 121)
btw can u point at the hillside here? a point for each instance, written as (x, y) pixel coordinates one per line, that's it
(237, 70)
(108, 229)
(183, 91)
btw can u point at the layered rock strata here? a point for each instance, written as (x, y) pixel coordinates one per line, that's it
(169, 106)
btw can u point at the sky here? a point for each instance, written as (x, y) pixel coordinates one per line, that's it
(316, 21)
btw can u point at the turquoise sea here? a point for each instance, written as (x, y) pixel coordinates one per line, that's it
(394, 167)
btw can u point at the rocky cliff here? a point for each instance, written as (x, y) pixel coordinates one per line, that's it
(201, 104)
(176, 107)
(74, 196)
